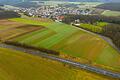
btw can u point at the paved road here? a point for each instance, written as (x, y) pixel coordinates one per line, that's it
(76, 64)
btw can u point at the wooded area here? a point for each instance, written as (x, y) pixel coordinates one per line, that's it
(91, 19)
(113, 31)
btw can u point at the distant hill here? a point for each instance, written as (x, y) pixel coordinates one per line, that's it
(110, 6)
(62, 0)
(82, 0)
(10, 1)
(19, 1)
(8, 14)
(26, 4)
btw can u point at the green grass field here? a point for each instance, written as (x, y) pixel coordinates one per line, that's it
(111, 13)
(15, 65)
(71, 41)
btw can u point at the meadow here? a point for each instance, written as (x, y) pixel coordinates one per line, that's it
(69, 40)
(15, 65)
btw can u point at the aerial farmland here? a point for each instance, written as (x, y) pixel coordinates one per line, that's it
(70, 41)
(59, 40)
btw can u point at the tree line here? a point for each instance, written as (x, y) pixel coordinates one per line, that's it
(32, 47)
(110, 6)
(112, 31)
(90, 19)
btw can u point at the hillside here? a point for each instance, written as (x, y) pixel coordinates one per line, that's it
(110, 6)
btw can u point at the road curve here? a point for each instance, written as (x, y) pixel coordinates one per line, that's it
(73, 63)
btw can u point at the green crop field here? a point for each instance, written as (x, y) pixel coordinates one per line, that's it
(111, 13)
(71, 41)
(15, 65)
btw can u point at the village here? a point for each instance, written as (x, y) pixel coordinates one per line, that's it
(53, 12)
(50, 11)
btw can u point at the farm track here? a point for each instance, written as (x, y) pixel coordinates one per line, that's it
(76, 64)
